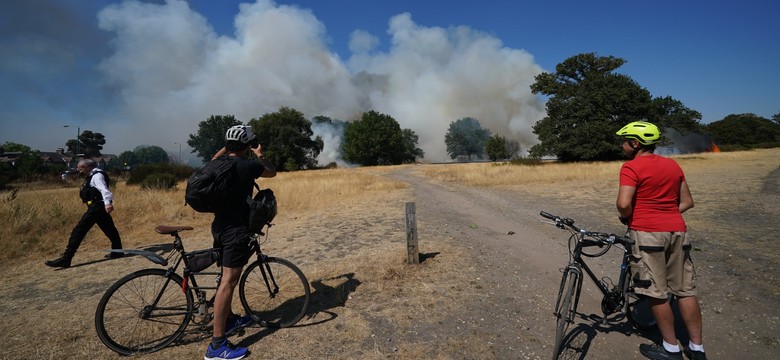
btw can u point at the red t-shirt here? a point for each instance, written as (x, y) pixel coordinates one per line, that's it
(656, 201)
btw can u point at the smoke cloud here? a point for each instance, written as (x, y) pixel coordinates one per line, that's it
(172, 70)
(685, 144)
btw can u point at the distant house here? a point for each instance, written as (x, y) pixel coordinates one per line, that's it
(55, 158)
(10, 157)
(58, 157)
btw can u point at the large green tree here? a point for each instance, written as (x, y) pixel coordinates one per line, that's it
(211, 135)
(146, 154)
(587, 104)
(286, 138)
(466, 137)
(744, 131)
(375, 139)
(88, 143)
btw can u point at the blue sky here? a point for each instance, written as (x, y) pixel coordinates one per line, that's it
(145, 73)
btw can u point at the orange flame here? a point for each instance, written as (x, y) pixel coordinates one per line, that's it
(714, 148)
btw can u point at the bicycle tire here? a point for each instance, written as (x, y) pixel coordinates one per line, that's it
(123, 319)
(565, 310)
(281, 307)
(637, 307)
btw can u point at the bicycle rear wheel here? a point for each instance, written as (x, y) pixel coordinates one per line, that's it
(565, 308)
(275, 292)
(637, 307)
(143, 312)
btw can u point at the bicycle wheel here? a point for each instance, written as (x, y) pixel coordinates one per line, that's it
(565, 308)
(637, 307)
(143, 312)
(274, 292)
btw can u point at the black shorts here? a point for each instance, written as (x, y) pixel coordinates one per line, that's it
(234, 242)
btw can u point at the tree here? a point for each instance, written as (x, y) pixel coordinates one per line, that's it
(211, 135)
(410, 152)
(375, 139)
(496, 148)
(128, 158)
(500, 148)
(145, 154)
(587, 104)
(25, 166)
(286, 138)
(88, 143)
(667, 112)
(466, 137)
(744, 131)
(513, 148)
(776, 118)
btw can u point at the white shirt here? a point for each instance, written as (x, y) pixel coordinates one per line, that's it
(98, 181)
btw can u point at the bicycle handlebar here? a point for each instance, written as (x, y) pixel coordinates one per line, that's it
(598, 239)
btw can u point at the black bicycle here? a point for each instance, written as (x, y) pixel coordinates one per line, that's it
(150, 308)
(618, 298)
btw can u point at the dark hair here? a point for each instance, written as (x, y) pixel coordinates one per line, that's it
(648, 148)
(235, 145)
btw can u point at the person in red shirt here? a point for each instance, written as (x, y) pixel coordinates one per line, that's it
(652, 197)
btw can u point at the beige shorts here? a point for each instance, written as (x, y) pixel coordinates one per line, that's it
(661, 264)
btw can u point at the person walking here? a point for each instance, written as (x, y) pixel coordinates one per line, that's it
(96, 195)
(653, 195)
(231, 234)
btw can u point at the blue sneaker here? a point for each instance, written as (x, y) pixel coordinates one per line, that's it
(235, 323)
(226, 351)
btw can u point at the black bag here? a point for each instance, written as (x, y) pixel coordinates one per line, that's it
(262, 210)
(207, 187)
(202, 259)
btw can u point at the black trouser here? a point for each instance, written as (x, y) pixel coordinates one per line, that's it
(96, 214)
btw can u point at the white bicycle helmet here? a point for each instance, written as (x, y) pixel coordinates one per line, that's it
(242, 133)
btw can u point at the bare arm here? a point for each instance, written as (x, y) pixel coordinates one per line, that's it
(686, 199)
(219, 153)
(624, 201)
(269, 170)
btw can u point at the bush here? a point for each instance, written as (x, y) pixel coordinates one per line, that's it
(527, 161)
(159, 181)
(139, 173)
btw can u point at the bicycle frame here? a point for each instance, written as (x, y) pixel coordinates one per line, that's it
(189, 277)
(577, 264)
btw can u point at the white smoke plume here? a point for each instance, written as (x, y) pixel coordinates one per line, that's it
(173, 71)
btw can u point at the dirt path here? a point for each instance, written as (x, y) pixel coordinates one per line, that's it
(521, 274)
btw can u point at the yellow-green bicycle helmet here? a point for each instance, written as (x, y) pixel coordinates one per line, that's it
(645, 132)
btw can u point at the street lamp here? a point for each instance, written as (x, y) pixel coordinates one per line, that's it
(180, 162)
(78, 131)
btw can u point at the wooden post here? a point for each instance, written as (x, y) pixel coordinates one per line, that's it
(413, 251)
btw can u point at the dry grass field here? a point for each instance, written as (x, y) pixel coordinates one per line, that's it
(345, 229)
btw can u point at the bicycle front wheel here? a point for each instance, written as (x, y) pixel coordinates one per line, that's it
(275, 292)
(143, 312)
(564, 308)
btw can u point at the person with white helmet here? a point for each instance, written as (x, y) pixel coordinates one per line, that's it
(231, 234)
(653, 195)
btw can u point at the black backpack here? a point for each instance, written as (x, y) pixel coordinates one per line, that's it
(208, 187)
(262, 210)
